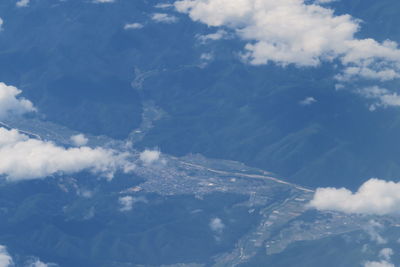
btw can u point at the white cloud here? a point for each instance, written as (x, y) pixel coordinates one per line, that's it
(5, 258)
(386, 254)
(373, 197)
(308, 101)
(207, 56)
(1, 24)
(79, 140)
(126, 203)
(373, 229)
(11, 103)
(220, 34)
(133, 26)
(163, 5)
(293, 32)
(35, 262)
(164, 18)
(85, 193)
(365, 71)
(27, 158)
(383, 96)
(378, 264)
(22, 3)
(149, 156)
(39, 264)
(217, 225)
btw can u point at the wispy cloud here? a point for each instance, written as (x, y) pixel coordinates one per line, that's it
(220, 34)
(307, 101)
(382, 96)
(385, 257)
(35, 262)
(374, 229)
(126, 203)
(22, 3)
(103, 1)
(381, 263)
(164, 5)
(163, 18)
(133, 26)
(386, 253)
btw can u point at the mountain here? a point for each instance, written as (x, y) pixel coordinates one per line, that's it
(189, 211)
(184, 143)
(76, 62)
